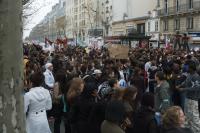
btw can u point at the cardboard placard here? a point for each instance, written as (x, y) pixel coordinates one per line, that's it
(118, 51)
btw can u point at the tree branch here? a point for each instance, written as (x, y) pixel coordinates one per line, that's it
(24, 2)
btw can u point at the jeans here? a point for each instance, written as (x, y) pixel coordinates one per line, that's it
(57, 124)
(186, 46)
(177, 43)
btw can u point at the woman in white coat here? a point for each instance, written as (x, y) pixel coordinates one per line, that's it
(36, 102)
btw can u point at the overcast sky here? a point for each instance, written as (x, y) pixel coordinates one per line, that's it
(45, 7)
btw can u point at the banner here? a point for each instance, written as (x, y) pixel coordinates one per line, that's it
(117, 51)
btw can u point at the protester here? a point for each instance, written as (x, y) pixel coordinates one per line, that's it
(74, 98)
(59, 101)
(49, 78)
(177, 40)
(162, 96)
(36, 102)
(191, 104)
(106, 89)
(144, 119)
(185, 41)
(80, 111)
(174, 120)
(87, 80)
(128, 99)
(138, 81)
(75, 90)
(114, 118)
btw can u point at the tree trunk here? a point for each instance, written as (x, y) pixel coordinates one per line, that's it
(11, 67)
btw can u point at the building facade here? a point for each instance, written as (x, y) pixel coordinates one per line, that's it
(130, 16)
(81, 17)
(128, 26)
(129, 9)
(53, 24)
(180, 15)
(152, 28)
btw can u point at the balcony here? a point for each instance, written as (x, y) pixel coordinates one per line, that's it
(182, 9)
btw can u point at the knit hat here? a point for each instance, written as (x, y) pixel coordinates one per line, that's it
(97, 71)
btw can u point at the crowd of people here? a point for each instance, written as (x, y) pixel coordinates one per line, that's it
(152, 91)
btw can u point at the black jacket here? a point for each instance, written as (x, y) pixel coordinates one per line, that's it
(144, 121)
(97, 116)
(79, 113)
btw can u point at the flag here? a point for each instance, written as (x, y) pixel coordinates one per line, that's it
(48, 41)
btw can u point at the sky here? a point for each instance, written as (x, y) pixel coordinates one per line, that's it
(42, 7)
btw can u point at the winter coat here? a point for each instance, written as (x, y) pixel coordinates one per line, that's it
(36, 102)
(191, 91)
(162, 97)
(144, 121)
(96, 117)
(79, 114)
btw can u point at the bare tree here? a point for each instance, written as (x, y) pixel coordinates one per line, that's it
(30, 8)
(24, 2)
(11, 67)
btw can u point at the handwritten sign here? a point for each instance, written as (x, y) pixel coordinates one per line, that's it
(118, 51)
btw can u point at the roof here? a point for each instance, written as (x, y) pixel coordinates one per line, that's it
(130, 37)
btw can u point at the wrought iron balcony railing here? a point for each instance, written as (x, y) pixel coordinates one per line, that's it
(184, 8)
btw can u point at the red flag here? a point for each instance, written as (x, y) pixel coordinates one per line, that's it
(48, 41)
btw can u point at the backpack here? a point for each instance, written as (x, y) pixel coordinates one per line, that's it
(104, 89)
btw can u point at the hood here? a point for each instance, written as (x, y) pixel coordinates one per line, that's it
(39, 94)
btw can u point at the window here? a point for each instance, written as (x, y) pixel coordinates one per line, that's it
(76, 17)
(156, 26)
(165, 24)
(107, 10)
(190, 23)
(141, 28)
(177, 24)
(107, 19)
(158, 3)
(83, 22)
(166, 6)
(83, 36)
(190, 4)
(149, 26)
(177, 5)
(64, 4)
